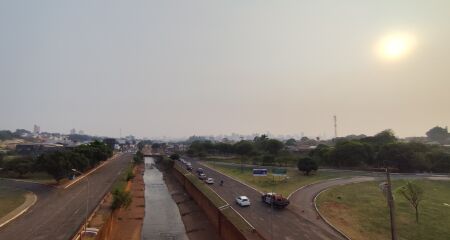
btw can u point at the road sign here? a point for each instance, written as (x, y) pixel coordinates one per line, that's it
(279, 171)
(260, 172)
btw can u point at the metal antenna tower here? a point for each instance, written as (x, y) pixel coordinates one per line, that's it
(335, 126)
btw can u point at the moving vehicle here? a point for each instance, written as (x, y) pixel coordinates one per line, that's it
(243, 201)
(209, 180)
(189, 168)
(199, 170)
(202, 176)
(277, 200)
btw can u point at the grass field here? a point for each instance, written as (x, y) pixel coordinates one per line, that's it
(281, 185)
(360, 210)
(10, 198)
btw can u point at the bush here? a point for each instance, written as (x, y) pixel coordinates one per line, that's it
(130, 175)
(138, 158)
(20, 165)
(121, 199)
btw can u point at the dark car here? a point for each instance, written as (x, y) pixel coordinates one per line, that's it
(189, 168)
(276, 200)
(199, 170)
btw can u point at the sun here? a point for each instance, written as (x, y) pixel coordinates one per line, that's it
(395, 46)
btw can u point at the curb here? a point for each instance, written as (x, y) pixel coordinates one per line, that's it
(324, 219)
(21, 212)
(307, 185)
(29, 181)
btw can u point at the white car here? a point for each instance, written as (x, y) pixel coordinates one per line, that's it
(243, 201)
(209, 180)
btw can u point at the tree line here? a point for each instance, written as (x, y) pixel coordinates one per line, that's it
(381, 150)
(59, 164)
(261, 150)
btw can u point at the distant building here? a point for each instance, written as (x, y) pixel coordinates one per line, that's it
(36, 129)
(111, 142)
(73, 131)
(36, 149)
(81, 132)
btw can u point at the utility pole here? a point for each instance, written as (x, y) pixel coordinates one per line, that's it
(391, 204)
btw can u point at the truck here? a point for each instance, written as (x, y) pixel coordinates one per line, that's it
(277, 200)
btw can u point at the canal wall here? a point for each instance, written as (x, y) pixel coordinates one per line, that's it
(228, 223)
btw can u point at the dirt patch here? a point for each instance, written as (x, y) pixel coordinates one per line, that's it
(126, 224)
(197, 225)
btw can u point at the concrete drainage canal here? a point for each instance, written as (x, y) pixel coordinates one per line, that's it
(162, 218)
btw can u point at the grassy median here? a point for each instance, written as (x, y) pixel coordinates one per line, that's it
(360, 210)
(10, 199)
(295, 179)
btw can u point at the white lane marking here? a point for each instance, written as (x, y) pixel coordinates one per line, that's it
(91, 171)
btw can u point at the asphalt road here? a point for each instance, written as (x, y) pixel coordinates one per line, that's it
(300, 219)
(58, 213)
(288, 224)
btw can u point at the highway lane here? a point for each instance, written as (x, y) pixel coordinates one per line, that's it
(59, 213)
(289, 223)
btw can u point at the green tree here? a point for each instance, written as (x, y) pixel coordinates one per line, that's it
(290, 142)
(351, 154)
(406, 157)
(307, 165)
(438, 134)
(440, 160)
(414, 194)
(6, 135)
(175, 156)
(273, 146)
(55, 164)
(382, 138)
(138, 157)
(20, 165)
(244, 148)
(321, 154)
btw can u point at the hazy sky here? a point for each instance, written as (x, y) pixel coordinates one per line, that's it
(178, 68)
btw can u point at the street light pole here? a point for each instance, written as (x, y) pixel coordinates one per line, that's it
(87, 200)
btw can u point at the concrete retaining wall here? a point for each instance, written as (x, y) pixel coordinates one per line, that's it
(226, 229)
